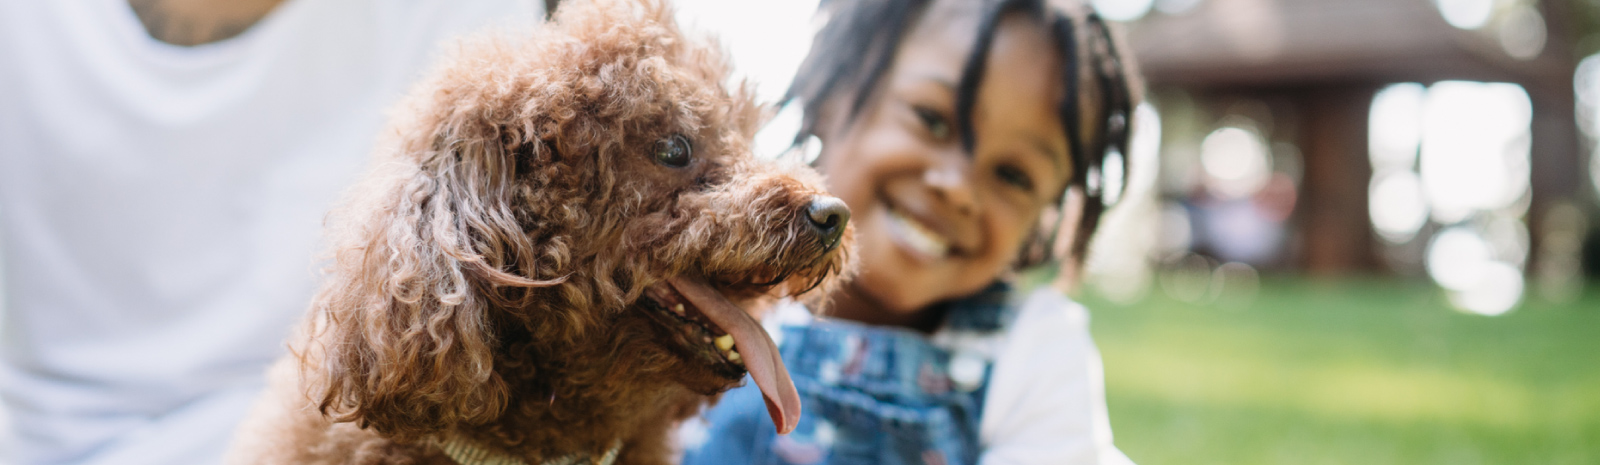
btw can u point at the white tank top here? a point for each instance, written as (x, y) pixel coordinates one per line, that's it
(160, 206)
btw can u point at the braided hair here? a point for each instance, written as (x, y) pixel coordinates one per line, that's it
(856, 47)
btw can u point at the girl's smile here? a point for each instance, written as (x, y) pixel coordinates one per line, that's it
(921, 242)
(934, 220)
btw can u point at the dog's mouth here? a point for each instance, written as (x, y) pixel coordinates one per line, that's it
(728, 339)
(703, 338)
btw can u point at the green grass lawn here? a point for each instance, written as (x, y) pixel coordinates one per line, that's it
(1351, 372)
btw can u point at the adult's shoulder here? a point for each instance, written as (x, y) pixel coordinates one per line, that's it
(423, 22)
(524, 9)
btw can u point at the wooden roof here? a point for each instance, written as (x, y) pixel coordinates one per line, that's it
(1266, 42)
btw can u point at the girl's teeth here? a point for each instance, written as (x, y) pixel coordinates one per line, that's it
(919, 237)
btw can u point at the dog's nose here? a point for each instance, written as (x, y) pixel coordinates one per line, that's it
(828, 216)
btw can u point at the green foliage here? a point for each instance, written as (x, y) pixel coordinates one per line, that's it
(1351, 372)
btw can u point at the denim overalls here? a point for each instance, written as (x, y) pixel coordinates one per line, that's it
(870, 395)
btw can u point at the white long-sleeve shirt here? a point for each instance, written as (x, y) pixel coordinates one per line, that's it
(1046, 402)
(160, 206)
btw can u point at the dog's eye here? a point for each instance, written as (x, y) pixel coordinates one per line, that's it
(674, 151)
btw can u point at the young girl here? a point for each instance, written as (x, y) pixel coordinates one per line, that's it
(954, 130)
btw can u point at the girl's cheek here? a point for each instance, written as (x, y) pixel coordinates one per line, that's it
(845, 175)
(1010, 224)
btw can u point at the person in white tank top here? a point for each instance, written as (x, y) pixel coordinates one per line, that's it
(160, 204)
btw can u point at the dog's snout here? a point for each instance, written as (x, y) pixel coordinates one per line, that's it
(828, 217)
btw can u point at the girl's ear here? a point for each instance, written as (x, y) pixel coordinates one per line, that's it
(404, 332)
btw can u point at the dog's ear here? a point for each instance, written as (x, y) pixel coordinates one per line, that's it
(406, 332)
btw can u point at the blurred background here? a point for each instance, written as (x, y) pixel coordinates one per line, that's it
(1358, 231)
(1354, 231)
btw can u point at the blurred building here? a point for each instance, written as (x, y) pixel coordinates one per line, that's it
(1449, 138)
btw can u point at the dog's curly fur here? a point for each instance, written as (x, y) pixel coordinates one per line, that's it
(487, 274)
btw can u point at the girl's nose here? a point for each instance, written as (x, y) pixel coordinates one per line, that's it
(949, 179)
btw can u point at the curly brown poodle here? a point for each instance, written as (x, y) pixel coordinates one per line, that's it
(552, 259)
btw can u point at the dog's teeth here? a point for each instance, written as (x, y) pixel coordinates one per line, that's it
(677, 309)
(705, 339)
(725, 342)
(733, 356)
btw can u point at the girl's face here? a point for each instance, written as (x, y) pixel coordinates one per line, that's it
(934, 222)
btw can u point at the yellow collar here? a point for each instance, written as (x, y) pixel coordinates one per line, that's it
(467, 452)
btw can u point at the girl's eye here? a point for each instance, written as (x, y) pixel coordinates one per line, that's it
(673, 150)
(936, 124)
(1014, 176)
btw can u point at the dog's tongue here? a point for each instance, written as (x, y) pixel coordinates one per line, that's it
(760, 354)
